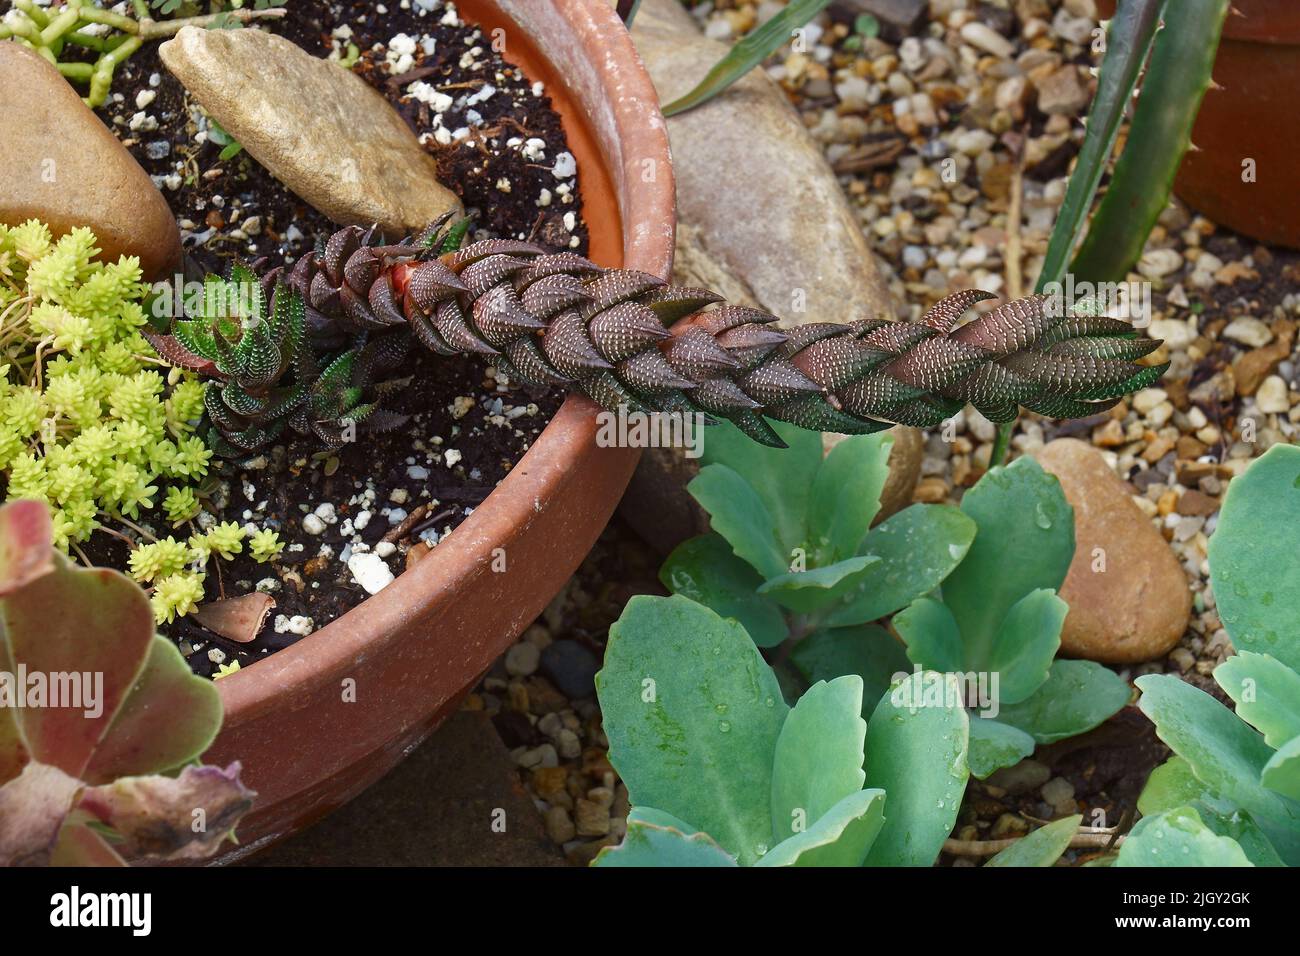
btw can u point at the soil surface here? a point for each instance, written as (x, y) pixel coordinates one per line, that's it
(398, 494)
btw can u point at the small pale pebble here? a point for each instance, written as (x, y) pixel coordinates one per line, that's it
(1248, 331)
(1272, 397)
(1156, 263)
(370, 571)
(522, 659)
(451, 457)
(985, 38)
(313, 524)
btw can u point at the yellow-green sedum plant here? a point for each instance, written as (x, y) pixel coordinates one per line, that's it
(92, 422)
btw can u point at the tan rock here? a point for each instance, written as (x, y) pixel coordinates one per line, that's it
(1139, 606)
(318, 128)
(62, 165)
(754, 192)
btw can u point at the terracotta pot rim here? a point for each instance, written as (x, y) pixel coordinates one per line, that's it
(334, 650)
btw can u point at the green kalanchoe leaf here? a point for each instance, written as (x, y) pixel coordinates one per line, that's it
(818, 760)
(781, 477)
(1173, 784)
(1178, 837)
(739, 514)
(693, 714)
(916, 753)
(994, 745)
(1076, 697)
(1282, 772)
(1266, 692)
(805, 592)
(1224, 753)
(918, 548)
(932, 637)
(653, 841)
(1026, 644)
(845, 496)
(1254, 570)
(705, 569)
(841, 837)
(868, 651)
(1043, 847)
(1024, 541)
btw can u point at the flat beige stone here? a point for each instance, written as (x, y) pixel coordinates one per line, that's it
(318, 128)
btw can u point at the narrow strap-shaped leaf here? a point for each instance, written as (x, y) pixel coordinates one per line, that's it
(1182, 58)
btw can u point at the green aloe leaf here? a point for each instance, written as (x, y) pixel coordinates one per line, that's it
(1254, 570)
(868, 651)
(1026, 644)
(1076, 697)
(841, 837)
(738, 514)
(693, 714)
(918, 548)
(781, 477)
(818, 758)
(705, 569)
(932, 637)
(916, 753)
(1043, 847)
(761, 43)
(994, 745)
(1024, 541)
(1178, 837)
(845, 496)
(1224, 753)
(1128, 42)
(807, 591)
(1266, 692)
(1176, 78)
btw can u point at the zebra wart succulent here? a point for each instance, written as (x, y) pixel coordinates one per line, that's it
(247, 349)
(629, 339)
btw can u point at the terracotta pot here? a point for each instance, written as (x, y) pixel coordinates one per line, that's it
(412, 651)
(1252, 116)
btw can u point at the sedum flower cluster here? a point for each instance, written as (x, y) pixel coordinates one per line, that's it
(92, 422)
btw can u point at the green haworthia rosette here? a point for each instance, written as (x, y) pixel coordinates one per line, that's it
(71, 773)
(247, 335)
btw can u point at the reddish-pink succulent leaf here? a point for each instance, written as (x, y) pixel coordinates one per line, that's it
(171, 818)
(33, 807)
(26, 548)
(169, 719)
(79, 845)
(92, 623)
(14, 753)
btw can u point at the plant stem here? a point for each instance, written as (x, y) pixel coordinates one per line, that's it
(153, 29)
(1095, 838)
(1001, 443)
